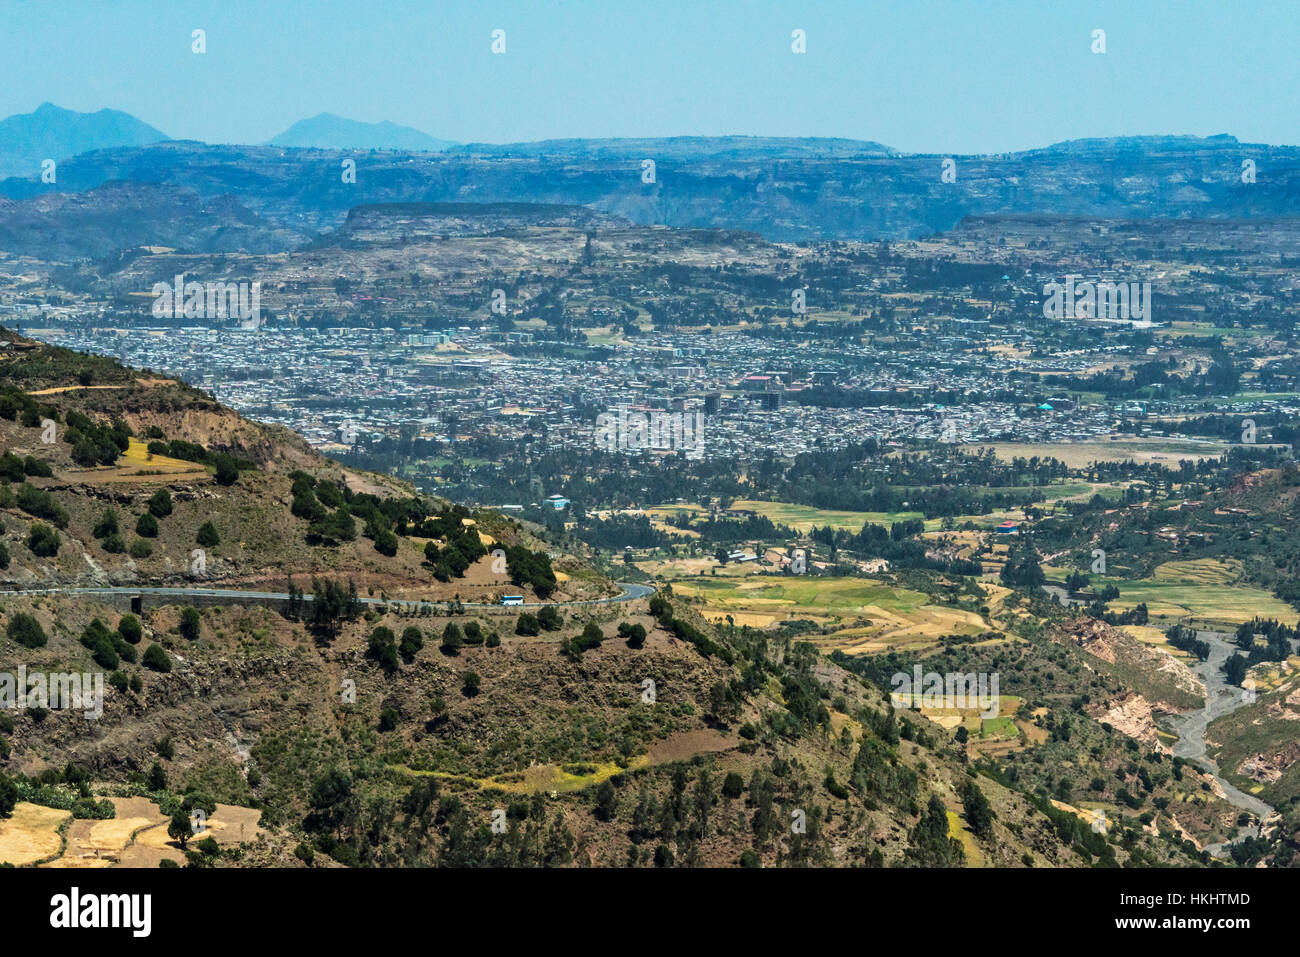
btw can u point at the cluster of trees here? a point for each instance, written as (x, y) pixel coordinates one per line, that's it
(226, 465)
(1022, 568)
(527, 567)
(1183, 637)
(662, 610)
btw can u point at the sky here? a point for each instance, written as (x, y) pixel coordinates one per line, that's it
(979, 76)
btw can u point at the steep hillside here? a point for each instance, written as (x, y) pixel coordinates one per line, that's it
(358, 729)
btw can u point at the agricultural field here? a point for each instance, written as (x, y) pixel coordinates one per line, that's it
(1083, 454)
(802, 518)
(859, 615)
(1204, 590)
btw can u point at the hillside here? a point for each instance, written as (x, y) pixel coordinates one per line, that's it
(354, 729)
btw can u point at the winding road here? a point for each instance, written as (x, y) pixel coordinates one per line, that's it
(631, 591)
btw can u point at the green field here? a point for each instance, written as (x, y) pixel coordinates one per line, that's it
(1203, 600)
(804, 517)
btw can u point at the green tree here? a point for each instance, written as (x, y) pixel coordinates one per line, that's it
(190, 622)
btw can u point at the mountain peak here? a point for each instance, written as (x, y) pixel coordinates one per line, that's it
(53, 132)
(327, 131)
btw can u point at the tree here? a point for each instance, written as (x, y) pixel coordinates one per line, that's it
(157, 779)
(451, 639)
(527, 624)
(26, 631)
(43, 541)
(107, 524)
(721, 555)
(8, 796)
(606, 801)
(732, 785)
(412, 641)
(155, 658)
(383, 648)
(190, 622)
(146, 526)
(130, 629)
(331, 605)
(207, 536)
(180, 828)
(634, 632)
(979, 813)
(1235, 669)
(470, 683)
(227, 472)
(550, 619)
(160, 503)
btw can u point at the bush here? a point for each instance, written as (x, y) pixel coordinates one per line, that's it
(386, 543)
(527, 624)
(470, 683)
(26, 630)
(207, 535)
(140, 549)
(633, 632)
(550, 618)
(4, 556)
(156, 659)
(190, 622)
(115, 544)
(451, 639)
(227, 472)
(412, 641)
(107, 524)
(43, 541)
(733, 785)
(160, 505)
(146, 526)
(591, 637)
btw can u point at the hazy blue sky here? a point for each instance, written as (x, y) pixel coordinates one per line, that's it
(960, 77)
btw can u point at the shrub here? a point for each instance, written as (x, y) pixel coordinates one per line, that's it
(190, 622)
(140, 549)
(26, 630)
(451, 639)
(160, 504)
(633, 632)
(146, 526)
(129, 627)
(412, 641)
(227, 472)
(107, 524)
(207, 535)
(156, 659)
(527, 624)
(43, 541)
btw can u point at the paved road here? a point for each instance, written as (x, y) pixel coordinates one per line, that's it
(631, 591)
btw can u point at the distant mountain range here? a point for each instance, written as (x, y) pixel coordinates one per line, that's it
(51, 132)
(327, 131)
(789, 189)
